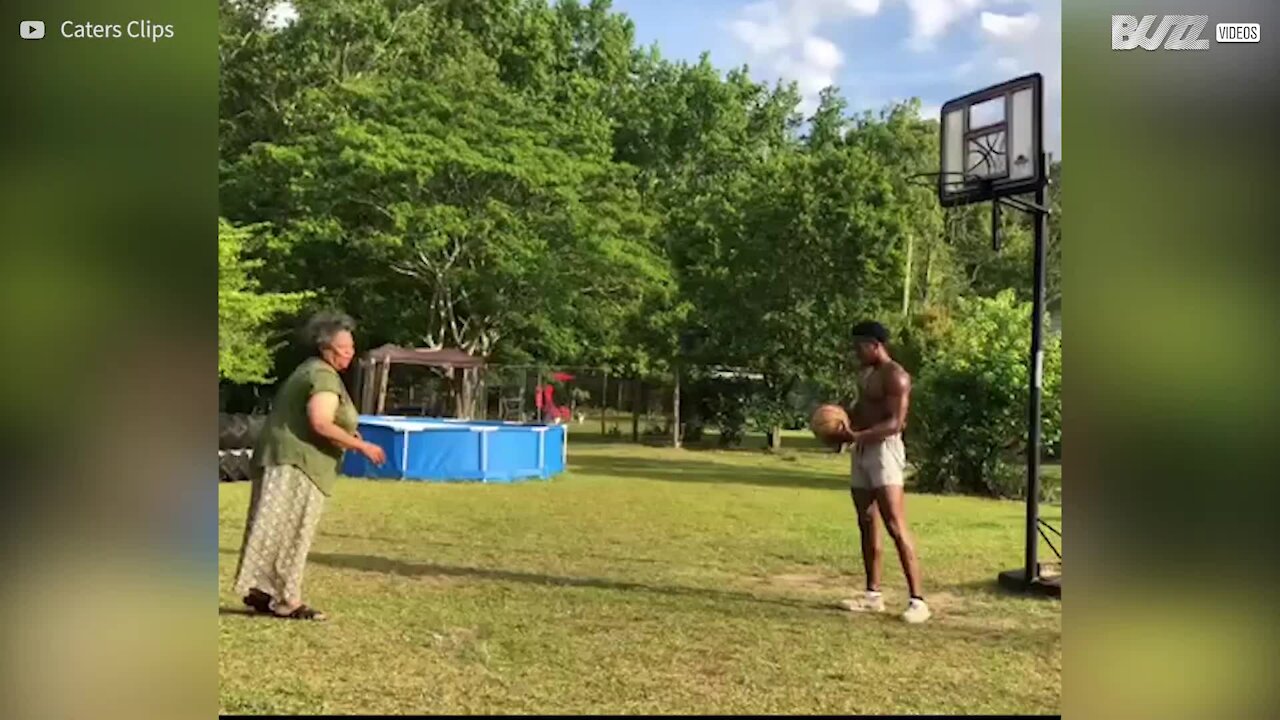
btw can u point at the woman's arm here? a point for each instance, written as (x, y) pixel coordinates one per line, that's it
(322, 408)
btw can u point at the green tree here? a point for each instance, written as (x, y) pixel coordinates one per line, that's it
(452, 210)
(518, 178)
(970, 398)
(245, 316)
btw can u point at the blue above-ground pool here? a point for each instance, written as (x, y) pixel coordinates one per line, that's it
(443, 450)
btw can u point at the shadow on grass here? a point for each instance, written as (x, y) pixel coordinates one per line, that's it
(516, 550)
(951, 628)
(242, 612)
(704, 471)
(368, 563)
(944, 629)
(993, 588)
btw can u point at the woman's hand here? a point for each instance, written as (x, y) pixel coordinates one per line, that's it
(376, 454)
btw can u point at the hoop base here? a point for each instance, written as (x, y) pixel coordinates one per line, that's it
(1016, 581)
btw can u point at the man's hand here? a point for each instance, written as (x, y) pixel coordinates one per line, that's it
(845, 435)
(860, 439)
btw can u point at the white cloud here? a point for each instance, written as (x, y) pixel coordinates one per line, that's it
(822, 53)
(1011, 27)
(785, 38)
(797, 41)
(930, 19)
(759, 37)
(1008, 65)
(790, 38)
(863, 7)
(762, 28)
(1031, 42)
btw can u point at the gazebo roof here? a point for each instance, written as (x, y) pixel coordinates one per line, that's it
(444, 357)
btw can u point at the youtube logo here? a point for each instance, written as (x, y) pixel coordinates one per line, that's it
(31, 29)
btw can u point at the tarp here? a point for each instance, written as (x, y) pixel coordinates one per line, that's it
(445, 357)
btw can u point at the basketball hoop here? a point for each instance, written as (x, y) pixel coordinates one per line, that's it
(992, 149)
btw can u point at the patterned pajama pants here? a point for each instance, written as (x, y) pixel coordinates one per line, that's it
(284, 511)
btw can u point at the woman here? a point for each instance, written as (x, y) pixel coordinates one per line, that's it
(296, 462)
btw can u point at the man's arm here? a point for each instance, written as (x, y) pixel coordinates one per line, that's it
(898, 398)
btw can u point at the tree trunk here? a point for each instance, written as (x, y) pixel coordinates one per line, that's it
(604, 404)
(775, 438)
(384, 376)
(928, 276)
(524, 389)
(637, 398)
(675, 412)
(363, 385)
(906, 277)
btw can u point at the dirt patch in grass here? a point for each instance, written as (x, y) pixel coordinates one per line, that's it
(806, 583)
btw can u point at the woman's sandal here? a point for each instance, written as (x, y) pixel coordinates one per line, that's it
(258, 600)
(302, 612)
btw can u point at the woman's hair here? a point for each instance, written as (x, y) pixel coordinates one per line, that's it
(324, 326)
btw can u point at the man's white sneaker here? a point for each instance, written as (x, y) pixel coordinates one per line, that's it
(871, 602)
(917, 611)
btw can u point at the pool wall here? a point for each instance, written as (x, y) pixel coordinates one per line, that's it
(445, 450)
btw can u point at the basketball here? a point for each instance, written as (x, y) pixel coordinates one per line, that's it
(826, 422)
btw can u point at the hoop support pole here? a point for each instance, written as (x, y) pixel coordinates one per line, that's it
(1029, 579)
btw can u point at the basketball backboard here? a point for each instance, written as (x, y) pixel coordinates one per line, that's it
(993, 143)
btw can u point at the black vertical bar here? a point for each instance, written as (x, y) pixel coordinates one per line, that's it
(1037, 372)
(604, 405)
(995, 225)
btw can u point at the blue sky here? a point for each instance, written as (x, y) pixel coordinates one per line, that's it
(875, 51)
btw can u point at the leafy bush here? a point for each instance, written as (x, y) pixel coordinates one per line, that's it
(729, 413)
(766, 412)
(1009, 480)
(969, 405)
(724, 404)
(693, 431)
(917, 339)
(734, 404)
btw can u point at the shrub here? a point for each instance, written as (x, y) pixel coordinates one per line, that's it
(729, 413)
(692, 431)
(1009, 480)
(969, 404)
(723, 404)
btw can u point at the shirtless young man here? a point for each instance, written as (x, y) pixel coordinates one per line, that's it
(879, 459)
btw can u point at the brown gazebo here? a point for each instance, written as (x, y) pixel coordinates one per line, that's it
(460, 367)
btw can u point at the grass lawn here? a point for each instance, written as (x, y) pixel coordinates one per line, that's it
(645, 580)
